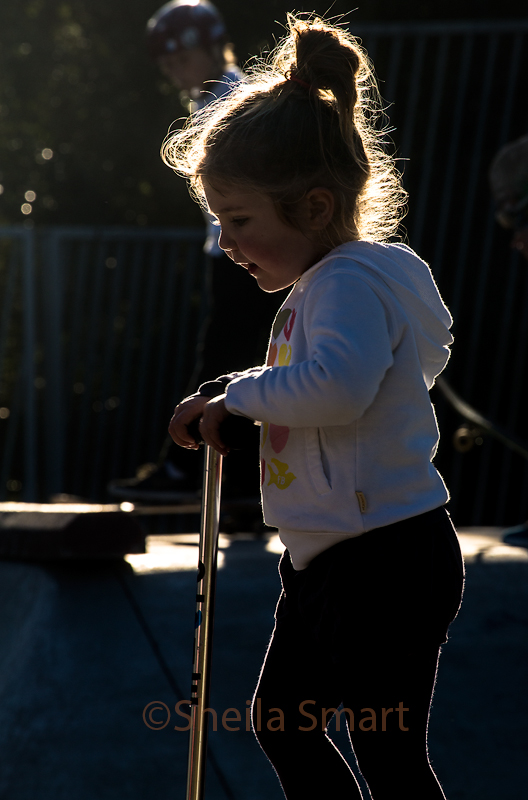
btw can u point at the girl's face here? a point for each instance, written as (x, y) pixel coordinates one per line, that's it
(254, 236)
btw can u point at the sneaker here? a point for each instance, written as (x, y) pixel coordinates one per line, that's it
(156, 483)
(517, 536)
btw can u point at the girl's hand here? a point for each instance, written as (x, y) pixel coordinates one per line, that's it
(214, 413)
(185, 412)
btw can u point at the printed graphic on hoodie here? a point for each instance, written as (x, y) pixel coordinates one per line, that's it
(281, 478)
(282, 318)
(278, 436)
(283, 324)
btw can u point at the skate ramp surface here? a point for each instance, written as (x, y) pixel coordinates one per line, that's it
(86, 649)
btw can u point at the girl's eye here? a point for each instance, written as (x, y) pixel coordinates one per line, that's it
(239, 221)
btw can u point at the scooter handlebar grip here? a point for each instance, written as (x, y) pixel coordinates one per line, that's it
(236, 432)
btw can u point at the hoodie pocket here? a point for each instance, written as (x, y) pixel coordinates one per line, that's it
(315, 461)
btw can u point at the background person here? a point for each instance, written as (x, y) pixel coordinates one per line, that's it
(509, 185)
(508, 177)
(189, 42)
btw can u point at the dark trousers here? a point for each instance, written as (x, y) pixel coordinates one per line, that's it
(362, 625)
(234, 337)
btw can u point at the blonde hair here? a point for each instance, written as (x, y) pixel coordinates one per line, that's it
(307, 116)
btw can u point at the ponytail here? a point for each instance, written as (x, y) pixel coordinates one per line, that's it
(328, 66)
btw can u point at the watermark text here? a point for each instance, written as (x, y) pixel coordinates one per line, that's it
(157, 715)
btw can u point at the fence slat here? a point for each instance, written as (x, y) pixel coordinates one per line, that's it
(452, 157)
(55, 412)
(29, 485)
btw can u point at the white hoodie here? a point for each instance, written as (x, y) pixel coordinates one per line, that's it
(348, 429)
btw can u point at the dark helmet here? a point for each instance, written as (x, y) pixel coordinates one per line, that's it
(184, 24)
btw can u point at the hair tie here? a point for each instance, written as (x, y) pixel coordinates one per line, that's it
(290, 77)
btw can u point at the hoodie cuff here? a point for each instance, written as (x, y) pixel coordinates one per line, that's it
(216, 387)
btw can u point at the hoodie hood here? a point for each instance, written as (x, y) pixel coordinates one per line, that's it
(397, 268)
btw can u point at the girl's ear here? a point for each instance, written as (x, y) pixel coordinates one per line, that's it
(320, 206)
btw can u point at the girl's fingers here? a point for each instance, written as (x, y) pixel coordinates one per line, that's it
(180, 433)
(210, 434)
(186, 412)
(213, 414)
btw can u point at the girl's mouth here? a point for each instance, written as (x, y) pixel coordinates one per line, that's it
(251, 268)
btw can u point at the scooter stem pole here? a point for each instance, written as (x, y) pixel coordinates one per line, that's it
(203, 636)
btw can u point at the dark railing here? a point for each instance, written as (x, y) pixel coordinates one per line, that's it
(99, 326)
(108, 320)
(455, 93)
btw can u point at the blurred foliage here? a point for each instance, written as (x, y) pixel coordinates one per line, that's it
(83, 111)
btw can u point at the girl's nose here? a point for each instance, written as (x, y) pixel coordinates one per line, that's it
(225, 242)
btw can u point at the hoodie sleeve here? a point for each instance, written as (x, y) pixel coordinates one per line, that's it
(349, 336)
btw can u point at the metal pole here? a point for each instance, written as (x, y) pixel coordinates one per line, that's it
(204, 623)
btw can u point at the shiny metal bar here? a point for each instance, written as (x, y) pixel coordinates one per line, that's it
(203, 636)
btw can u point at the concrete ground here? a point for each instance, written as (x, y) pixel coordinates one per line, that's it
(84, 649)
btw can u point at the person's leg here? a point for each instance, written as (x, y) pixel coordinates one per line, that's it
(411, 581)
(362, 624)
(297, 682)
(390, 702)
(238, 328)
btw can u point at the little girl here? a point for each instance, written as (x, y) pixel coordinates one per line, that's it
(293, 167)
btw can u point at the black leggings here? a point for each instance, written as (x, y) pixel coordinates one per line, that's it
(362, 626)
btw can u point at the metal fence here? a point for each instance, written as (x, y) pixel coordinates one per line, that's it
(455, 93)
(17, 362)
(107, 319)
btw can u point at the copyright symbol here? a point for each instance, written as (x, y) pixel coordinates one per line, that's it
(148, 718)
